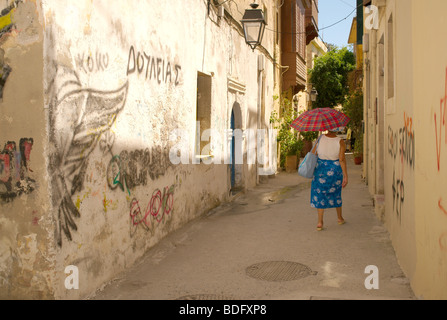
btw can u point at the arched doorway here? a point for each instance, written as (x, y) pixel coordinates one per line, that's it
(236, 151)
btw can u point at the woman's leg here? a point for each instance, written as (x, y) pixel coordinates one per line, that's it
(340, 215)
(320, 219)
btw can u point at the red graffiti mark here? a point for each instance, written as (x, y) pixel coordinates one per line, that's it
(5, 171)
(441, 206)
(25, 149)
(35, 219)
(14, 164)
(27, 146)
(6, 157)
(163, 203)
(443, 237)
(443, 111)
(443, 241)
(159, 206)
(408, 121)
(10, 146)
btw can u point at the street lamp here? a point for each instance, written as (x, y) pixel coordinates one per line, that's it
(253, 23)
(313, 95)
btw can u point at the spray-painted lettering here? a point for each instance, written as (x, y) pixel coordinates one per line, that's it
(401, 147)
(132, 169)
(159, 206)
(92, 63)
(439, 126)
(153, 68)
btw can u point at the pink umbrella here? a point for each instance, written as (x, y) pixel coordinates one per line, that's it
(320, 119)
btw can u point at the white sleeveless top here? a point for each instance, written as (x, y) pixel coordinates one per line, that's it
(329, 148)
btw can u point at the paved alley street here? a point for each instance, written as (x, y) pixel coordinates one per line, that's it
(264, 246)
(150, 152)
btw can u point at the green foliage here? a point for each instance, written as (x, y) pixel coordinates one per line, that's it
(358, 145)
(290, 144)
(330, 77)
(309, 136)
(353, 108)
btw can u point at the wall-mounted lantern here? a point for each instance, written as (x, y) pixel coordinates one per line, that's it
(313, 95)
(253, 23)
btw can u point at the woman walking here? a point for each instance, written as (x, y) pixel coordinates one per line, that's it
(331, 175)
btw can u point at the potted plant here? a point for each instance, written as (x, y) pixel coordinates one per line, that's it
(358, 149)
(353, 108)
(292, 151)
(289, 142)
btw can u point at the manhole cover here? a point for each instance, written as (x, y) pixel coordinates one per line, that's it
(205, 297)
(279, 271)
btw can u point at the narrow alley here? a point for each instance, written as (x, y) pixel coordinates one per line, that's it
(264, 246)
(149, 149)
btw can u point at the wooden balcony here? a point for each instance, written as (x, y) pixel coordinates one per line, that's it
(293, 35)
(311, 21)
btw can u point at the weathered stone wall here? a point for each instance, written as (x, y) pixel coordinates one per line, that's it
(94, 93)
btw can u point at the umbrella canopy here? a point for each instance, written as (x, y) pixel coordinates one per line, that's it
(320, 119)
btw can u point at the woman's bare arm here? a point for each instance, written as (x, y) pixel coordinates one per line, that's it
(343, 164)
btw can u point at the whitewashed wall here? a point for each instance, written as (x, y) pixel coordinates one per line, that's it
(118, 77)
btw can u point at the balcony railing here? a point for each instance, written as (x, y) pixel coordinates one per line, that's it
(311, 21)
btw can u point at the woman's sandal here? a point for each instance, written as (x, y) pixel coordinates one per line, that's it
(341, 222)
(319, 227)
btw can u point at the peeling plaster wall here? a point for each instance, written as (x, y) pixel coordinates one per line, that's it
(122, 83)
(103, 86)
(25, 216)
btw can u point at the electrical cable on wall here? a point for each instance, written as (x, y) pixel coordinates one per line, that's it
(304, 32)
(292, 33)
(330, 26)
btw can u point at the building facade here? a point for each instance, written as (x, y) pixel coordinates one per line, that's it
(298, 28)
(405, 99)
(105, 110)
(316, 48)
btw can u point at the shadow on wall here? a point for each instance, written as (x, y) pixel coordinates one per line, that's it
(93, 112)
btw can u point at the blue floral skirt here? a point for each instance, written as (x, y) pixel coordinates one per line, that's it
(327, 185)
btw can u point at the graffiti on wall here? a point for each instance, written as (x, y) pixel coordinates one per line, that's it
(440, 125)
(153, 68)
(15, 169)
(401, 143)
(6, 25)
(6, 17)
(132, 169)
(5, 70)
(401, 147)
(159, 207)
(89, 63)
(443, 236)
(441, 138)
(78, 118)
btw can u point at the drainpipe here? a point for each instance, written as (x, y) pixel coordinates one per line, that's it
(260, 69)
